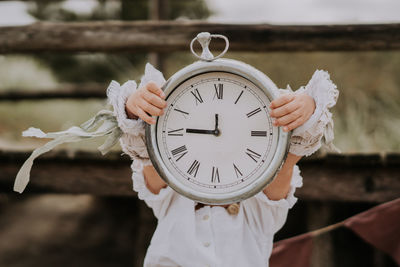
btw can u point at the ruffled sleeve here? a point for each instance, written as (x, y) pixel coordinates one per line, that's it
(268, 216)
(318, 130)
(133, 139)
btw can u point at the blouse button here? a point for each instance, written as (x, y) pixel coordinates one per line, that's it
(206, 244)
(206, 217)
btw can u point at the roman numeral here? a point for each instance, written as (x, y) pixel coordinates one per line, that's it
(215, 175)
(237, 99)
(253, 155)
(258, 133)
(251, 113)
(237, 171)
(219, 91)
(176, 132)
(184, 113)
(194, 168)
(179, 152)
(197, 96)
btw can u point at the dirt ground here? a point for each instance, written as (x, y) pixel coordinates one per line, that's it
(67, 230)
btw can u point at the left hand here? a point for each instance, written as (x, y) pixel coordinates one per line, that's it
(292, 110)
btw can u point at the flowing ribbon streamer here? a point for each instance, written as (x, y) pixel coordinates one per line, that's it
(104, 123)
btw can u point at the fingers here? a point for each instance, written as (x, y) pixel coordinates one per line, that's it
(144, 116)
(284, 109)
(293, 125)
(282, 100)
(149, 108)
(146, 102)
(154, 99)
(152, 87)
(287, 119)
(290, 111)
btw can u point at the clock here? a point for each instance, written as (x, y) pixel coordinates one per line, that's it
(215, 142)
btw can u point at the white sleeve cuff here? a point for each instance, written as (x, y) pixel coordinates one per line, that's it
(133, 138)
(139, 184)
(117, 97)
(290, 200)
(308, 138)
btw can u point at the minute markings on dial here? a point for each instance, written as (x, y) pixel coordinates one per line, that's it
(194, 168)
(219, 91)
(215, 175)
(253, 155)
(253, 112)
(179, 152)
(197, 96)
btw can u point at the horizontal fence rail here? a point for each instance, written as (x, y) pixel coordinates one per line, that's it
(71, 91)
(355, 178)
(167, 36)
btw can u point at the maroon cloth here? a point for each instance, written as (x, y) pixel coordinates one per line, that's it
(295, 251)
(380, 226)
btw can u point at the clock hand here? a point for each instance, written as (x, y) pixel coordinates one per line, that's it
(200, 131)
(215, 132)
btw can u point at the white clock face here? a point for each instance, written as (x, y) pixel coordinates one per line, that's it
(216, 135)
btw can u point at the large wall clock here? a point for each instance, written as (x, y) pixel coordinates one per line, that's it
(215, 142)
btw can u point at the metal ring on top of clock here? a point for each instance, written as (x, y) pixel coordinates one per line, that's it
(204, 38)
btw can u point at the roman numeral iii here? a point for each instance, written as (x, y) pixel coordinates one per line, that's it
(258, 133)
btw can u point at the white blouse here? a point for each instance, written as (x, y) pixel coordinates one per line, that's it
(210, 236)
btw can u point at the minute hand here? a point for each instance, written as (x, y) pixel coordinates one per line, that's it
(200, 131)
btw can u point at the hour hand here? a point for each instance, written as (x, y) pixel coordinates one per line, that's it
(200, 131)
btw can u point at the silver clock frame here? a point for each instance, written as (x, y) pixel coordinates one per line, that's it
(260, 80)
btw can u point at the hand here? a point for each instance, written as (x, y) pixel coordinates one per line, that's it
(292, 110)
(146, 102)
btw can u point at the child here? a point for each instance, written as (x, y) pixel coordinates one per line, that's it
(191, 234)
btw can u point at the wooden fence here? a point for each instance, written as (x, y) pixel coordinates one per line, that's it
(327, 179)
(351, 178)
(368, 178)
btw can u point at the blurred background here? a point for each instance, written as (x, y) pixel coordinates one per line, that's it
(88, 230)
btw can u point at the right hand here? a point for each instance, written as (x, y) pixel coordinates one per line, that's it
(146, 102)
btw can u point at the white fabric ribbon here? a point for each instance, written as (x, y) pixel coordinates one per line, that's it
(104, 123)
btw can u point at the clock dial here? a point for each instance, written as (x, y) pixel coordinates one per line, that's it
(216, 135)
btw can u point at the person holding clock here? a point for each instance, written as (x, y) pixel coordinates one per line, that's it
(195, 234)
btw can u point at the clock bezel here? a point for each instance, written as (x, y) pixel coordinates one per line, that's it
(254, 76)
